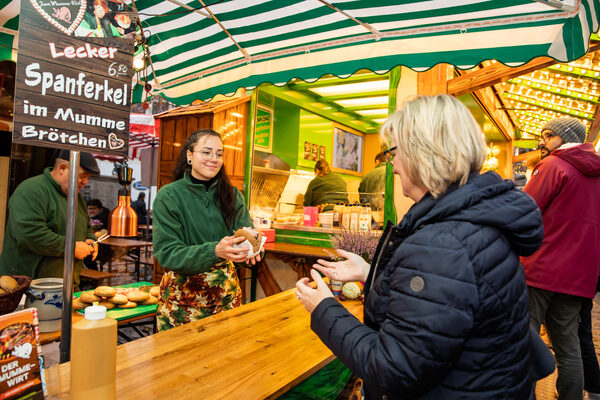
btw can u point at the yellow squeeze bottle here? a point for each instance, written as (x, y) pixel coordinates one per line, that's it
(94, 356)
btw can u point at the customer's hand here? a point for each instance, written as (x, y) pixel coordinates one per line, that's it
(82, 250)
(354, 268)
(224, 249)
(94, 247)
(310, 297)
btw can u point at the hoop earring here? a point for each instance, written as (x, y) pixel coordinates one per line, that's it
(189, 162)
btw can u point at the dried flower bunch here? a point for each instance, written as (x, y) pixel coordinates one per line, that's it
(362, 243)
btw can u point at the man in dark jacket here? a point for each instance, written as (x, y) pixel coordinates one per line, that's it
(566, 187)
(372, 185)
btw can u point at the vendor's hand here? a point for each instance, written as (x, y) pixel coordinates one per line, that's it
(82, 250)
(354, 268)
(224, 249)
(94, 247)
(310, 297)
(254, 260)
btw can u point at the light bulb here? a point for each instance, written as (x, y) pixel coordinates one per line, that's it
(138, 63)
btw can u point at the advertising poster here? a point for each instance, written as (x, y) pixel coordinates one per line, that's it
(21, 374)
(73, 81)
(263, 133)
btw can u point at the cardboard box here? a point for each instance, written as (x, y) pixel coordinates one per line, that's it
(268, 233)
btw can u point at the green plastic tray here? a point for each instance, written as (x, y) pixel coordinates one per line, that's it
(125, 313)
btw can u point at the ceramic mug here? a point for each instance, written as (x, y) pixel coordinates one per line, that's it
(45, 294)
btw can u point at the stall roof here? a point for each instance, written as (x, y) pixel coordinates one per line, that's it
(197, 53)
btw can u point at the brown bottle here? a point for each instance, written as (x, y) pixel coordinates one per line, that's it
(94, 356)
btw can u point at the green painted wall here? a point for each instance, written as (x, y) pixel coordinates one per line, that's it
(316, 130)
(286, 122)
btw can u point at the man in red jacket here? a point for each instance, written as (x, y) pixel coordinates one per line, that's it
(566, 187)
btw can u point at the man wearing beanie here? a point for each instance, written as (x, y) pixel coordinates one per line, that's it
(34, 242)
(566, 187)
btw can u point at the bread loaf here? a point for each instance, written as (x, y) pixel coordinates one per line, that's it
(8, 283)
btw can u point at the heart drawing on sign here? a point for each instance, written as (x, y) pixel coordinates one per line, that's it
(114, 142)
(67, 16)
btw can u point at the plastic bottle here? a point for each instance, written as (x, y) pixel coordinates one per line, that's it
(94, 356)
(337, 218)
(336, 287)
(354, 215)
(364, 220)
(345, 217)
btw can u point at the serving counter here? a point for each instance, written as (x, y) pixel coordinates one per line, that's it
(256, 351)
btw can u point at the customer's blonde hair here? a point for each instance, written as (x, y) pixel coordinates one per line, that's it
(439, 142)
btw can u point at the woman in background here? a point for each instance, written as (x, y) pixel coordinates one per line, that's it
(446, 307)
(194, 220)
(326, 188)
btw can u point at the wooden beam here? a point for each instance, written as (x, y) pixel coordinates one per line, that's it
(497, 73)
(492, 75)
(595, 128)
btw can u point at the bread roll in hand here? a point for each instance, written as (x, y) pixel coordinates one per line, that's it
(254, 240)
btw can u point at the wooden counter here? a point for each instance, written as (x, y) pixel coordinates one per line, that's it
(257, 351)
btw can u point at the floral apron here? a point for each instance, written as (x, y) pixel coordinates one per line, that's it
(187, 298)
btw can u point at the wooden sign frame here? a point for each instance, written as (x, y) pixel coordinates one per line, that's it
(71, 92)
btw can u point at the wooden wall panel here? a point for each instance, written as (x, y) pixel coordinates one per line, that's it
(231, 124)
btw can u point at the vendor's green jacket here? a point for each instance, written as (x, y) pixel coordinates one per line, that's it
(372, 186)
(327, 189)
(187, 225)
(34, 241)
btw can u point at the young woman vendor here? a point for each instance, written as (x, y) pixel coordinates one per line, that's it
(194, 220)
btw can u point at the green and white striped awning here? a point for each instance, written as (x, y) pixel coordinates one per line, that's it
(202, 48)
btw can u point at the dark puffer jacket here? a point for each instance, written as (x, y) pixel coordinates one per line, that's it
(446, 311)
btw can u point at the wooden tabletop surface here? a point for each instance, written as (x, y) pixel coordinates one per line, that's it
(125, 242)
(256, 351)
(300, 250)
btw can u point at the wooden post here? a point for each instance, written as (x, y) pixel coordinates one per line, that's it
(434, 80)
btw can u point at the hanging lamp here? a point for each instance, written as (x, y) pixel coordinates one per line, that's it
(123, 220)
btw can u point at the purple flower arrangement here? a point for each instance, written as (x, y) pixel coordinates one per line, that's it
(362, 243)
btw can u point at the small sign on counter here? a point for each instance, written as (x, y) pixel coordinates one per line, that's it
(21, 366)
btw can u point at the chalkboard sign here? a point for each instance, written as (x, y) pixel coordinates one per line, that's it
(73, 92)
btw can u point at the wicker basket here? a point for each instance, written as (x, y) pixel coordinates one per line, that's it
(9, 301)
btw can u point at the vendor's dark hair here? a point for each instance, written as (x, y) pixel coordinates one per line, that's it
(224, 198)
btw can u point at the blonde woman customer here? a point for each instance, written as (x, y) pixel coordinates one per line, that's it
(446, 312)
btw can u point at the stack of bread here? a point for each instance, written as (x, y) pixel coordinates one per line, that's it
(110, 297)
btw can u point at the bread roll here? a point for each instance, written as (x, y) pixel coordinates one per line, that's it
(155, 291)
(89, 297)
(150, 301)
(79, 305)
(254, 240)
(129, 304)
(118, 299)
(8, 283)
(138, 296)
(108, 305)
(105, 291)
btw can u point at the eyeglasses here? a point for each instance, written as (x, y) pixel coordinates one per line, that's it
(209, 155)
(389, 154)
